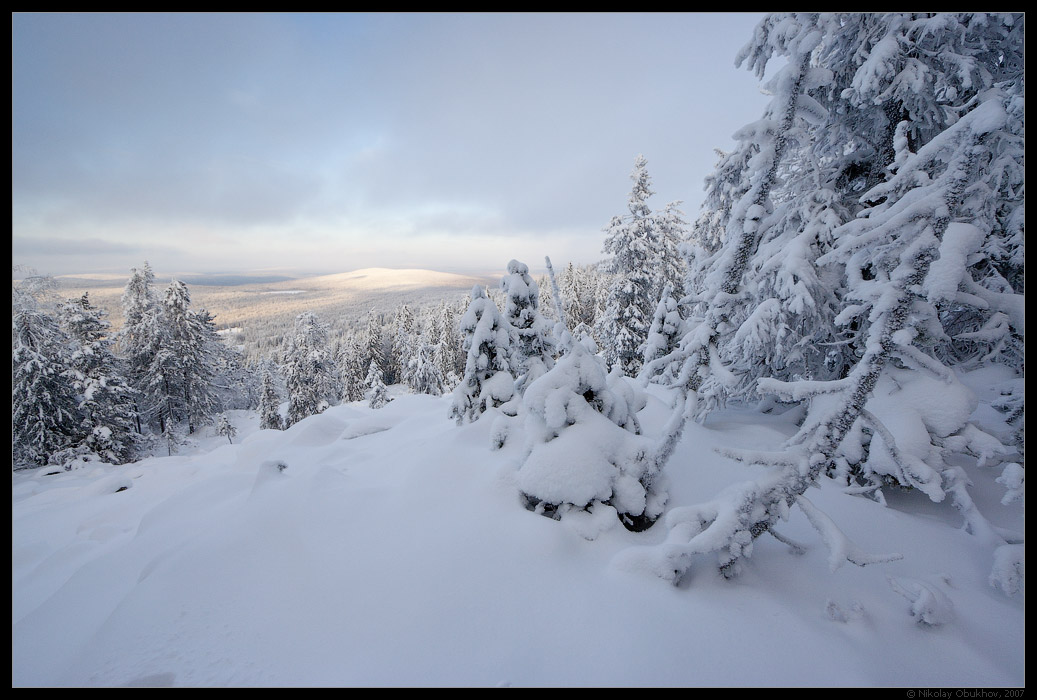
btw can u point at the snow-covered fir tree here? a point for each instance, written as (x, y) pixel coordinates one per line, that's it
(45, 416)
(377, 348)
(106, 402)
(138, 298)
(269, 404)
(188, 349)
(163, 406)
(751, 175)
(310, 374)
(137, 341)
(353, 360)
(401, 343)
(665, 333)
(548, 310)
(581, 289)
(233, 385)
(669, 264)
(569, 284)
(175, 359)
(377, 392)
(421, 375)
(449, 352)
(630, 240)
(532, 340)
(487, 381)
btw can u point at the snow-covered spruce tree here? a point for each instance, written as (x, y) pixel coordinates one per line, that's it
(311, 377)
(579, 292)
(162, 405)
(532, 340)
(174, 358)
(584, 450)
(631, 242)
(233, 386)
(783, 326)
(190, 343)
(944, 93)
(352, 361)
(175, 346)
(45, 416)
(137, 341)
(669, 266)
(106, 401)
(421, 374)
(252, 367)
(269, 404)
(487, 381)
(665, 333)
(765, 143)
(448, 343)
(569, 286)
(377, 393)
(374, 341)
(401, 343)
(548, 311)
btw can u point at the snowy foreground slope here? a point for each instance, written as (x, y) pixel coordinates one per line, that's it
(394, 550)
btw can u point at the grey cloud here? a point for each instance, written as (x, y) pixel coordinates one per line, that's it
(21, 245)
(519, 122)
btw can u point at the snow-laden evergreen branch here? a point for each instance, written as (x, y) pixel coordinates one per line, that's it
(917, 222)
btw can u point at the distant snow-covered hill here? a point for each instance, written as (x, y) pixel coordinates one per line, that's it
(268, 304)
(383, 278)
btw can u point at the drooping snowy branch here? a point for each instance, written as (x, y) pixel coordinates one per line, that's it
(840, 548)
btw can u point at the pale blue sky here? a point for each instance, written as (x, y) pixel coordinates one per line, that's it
(330, 142)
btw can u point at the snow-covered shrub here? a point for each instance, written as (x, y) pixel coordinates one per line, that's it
(225, 427)
(929, 604)
(584, 450)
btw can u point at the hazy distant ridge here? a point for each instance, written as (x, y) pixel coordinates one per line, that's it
(262, 307)
(384, 278)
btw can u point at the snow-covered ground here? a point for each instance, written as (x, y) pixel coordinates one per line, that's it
(393, 550)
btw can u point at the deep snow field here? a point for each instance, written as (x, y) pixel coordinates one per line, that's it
(394, 550)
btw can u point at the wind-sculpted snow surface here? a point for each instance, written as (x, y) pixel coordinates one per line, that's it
(391, 547)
